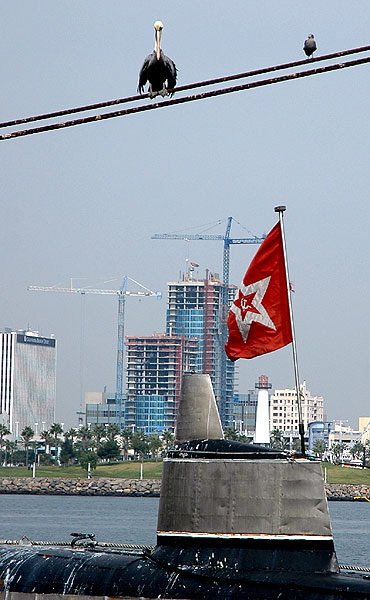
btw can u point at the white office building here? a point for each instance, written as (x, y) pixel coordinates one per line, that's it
(27, 381)
(284, 409)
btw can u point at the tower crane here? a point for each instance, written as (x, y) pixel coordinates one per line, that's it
(122, 293)
(228, 241)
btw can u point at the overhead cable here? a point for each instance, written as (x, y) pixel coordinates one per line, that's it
(183, 88)
(184, 99)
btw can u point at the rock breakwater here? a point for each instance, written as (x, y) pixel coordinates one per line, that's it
(80, 487)
(343, 491)
(102, 486)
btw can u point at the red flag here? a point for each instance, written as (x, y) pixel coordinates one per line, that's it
(259, 318)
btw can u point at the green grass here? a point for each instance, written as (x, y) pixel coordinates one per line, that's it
(346, 475)
(125, 470)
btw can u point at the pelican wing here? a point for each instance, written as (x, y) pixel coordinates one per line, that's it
(144, 73)
(171, 72)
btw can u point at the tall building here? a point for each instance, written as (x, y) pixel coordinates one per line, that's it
(284, 409)
(196, 309)
(194, 340)
(154, 366)
(27, 381)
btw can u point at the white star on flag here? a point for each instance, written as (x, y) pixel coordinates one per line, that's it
(248, 307)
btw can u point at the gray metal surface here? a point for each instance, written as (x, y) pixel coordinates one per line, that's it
(198, 416)
(256, 498)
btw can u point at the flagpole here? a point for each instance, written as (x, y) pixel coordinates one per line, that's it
(281, 210)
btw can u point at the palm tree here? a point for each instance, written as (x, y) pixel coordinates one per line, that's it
(3, 431)
(48, 440)
(231, 433)
(9, 449)
(337, 451)
(55, 430)
(71, 433)
(126, 435)
(112, 430)
(277, 440)
(99, 432)
(319, 447)
(85, 436)
(27, 435)
(167, 437)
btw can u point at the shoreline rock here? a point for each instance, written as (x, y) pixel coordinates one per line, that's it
(99, 486)
(102, 486)
(345, 491)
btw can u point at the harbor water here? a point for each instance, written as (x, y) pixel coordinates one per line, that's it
(130, 520)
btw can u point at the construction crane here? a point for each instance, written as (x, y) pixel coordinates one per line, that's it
(122, 293)
(228, 241)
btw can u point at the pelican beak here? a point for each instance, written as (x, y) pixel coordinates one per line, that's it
(158, 35)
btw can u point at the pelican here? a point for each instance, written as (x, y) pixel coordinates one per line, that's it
(157, 69)
(310, 45)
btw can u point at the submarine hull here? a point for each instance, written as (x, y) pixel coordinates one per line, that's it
(166, 572)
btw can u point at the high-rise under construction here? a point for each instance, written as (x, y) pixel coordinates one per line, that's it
(194, 341)
(198, 308)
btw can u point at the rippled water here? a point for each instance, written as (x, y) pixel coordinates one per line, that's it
(351, 529)
(134, 521)
(54, 518)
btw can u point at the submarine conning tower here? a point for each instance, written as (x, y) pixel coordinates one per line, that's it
(243, 506)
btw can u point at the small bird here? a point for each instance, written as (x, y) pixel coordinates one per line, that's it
(157, 69)
(309, 46)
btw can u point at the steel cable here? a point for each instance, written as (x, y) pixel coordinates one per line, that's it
(185, 99)
(183, 88)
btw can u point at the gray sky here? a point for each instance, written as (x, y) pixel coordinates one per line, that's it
(83, 202)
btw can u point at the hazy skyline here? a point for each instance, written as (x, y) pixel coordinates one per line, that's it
(83, 202)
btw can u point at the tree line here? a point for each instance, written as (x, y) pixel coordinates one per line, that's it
(86, 446)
